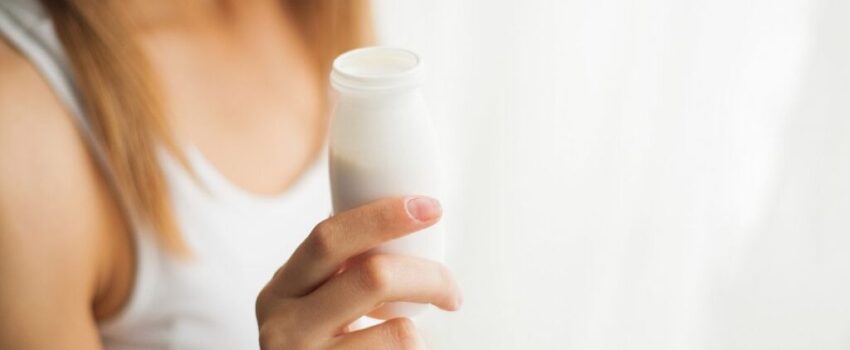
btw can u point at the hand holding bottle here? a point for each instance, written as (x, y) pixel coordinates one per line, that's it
(329, 282)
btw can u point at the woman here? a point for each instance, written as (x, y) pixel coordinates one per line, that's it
(160, 160)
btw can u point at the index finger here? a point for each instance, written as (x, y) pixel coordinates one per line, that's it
(347, 234)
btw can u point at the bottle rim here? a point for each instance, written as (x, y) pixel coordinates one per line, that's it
(376, 68)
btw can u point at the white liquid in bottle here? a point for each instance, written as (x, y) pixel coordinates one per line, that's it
(382, 144)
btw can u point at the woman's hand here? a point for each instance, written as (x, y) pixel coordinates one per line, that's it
(309, 303)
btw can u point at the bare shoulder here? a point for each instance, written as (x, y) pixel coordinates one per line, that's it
(47, 179)
(55, 212)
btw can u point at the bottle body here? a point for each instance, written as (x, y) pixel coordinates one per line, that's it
(382, 144)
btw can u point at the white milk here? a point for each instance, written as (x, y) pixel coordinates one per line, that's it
(382, 144)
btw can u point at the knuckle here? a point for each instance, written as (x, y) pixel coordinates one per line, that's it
(375, 274)
(270, 305)
(320, 242)
(264, 300)
(402, 332)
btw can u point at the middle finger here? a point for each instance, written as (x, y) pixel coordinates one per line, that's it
(378, 279)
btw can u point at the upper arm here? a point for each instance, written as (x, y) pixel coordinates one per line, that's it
(55, 212)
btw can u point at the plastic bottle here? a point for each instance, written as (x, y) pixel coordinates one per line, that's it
(382, 144)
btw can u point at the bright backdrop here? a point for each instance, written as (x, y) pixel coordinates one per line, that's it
(640, 174)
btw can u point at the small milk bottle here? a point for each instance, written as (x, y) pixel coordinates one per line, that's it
(382, 144)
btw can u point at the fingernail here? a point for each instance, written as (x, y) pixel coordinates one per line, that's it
(423, 208)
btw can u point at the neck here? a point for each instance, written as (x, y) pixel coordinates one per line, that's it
(147, 14)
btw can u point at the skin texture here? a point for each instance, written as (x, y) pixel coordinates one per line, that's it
(66, 255)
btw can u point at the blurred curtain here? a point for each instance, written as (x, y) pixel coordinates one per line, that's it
(640, 174)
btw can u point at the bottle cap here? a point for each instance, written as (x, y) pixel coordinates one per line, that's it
(376, 68)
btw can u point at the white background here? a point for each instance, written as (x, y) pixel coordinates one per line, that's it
(640, 174)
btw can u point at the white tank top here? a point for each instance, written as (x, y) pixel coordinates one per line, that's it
(238, 239)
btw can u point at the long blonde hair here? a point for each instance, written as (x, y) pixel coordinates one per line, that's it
(120, 93)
